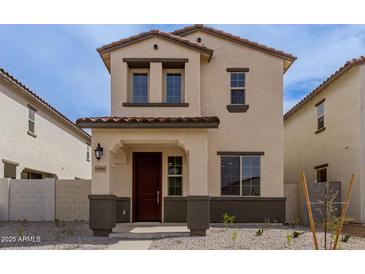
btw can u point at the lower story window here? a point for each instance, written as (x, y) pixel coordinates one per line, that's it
(174, 175)
(240, 175)
(322, 175)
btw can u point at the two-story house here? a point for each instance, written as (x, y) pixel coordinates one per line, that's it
(325, 137)
(36, 140)
(195, 131)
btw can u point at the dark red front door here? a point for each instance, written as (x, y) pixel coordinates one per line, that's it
(147, 186)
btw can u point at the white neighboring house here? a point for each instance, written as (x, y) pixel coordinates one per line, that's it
(36, 140)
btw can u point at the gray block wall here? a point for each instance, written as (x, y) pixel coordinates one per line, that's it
(32, 200)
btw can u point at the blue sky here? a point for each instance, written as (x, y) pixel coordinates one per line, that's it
(60, 62)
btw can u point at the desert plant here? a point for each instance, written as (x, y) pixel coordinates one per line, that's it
(228, 219)
(24, 222)
(296, 234)
(345, 238)
(57, 222)
(234, 236)
(259, 232)
(289, 238)
(20, 232)
(68, 231)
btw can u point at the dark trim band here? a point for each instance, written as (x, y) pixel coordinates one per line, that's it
(320, 130)
(237, 108)
(240, 153)
(320, 102)
(238, 69)
(321, 166)
(155, 104)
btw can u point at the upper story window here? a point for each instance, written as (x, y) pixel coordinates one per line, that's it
(240, 175)
(321, 171)
(173, 88)
(238, 88)
(140, 88)
(31, 121)
(320, 116)
(88, 153)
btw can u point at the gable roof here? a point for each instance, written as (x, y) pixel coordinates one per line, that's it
(104, 50)
(6, 75)
(286, 56)
(347, 66)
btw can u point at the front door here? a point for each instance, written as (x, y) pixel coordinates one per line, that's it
(147, 169)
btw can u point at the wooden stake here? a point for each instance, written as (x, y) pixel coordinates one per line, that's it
(343, 213)
(309, 209)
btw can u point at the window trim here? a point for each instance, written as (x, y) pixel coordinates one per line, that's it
(130, 85)
(321, 167)
(317, 105)
(88, 150)
(175, 176)
(165, 72)
(29, 132)
(166, 86)
(237, 71)
(240, 155)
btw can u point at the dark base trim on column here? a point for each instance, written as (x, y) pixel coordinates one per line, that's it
(197, 214)
(123, 209)
(175, 209)
(198, 232)
(101, 232)
(102, 214)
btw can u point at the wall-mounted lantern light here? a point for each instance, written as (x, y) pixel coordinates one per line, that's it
(98, 152)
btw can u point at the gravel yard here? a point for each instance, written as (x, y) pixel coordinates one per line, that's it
(77, 235)
(50, 235)
(274, 237)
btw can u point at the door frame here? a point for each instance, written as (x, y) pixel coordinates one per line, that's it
(134, 188)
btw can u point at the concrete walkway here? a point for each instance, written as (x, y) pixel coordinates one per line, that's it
(149, 231)
(131, 245)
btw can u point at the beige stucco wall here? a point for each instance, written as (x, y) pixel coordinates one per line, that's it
(261, 127)
(56, 149)
(144, 49)
(72, 202)
(338, 145)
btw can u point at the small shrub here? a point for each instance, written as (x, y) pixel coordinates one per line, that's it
(259, 232)
(234, 236)
(57, 222)
(345, 238)
(20, 232)
(68, 231)
(296, 234)
(228, 219)
(289, 238)
(24, 222)
(295, 223)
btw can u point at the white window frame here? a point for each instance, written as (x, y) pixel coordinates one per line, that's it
(31, 110)
(175, 175)
(320, 115)
(237, 88)
(88, 153)
(241, 176)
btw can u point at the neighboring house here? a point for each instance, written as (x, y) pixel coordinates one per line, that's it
(325, 137)
(195, 131)
(36, 140)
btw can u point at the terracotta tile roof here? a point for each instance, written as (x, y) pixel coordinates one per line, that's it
(193, 28)
(149, 122)
(151, 33)
(348, 65)
(25, 89)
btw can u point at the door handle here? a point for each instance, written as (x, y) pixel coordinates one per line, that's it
(158, 197)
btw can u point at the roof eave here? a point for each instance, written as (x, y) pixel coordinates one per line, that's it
(147, 125)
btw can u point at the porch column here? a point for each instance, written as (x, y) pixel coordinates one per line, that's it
(198, 200)
(102, 217)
